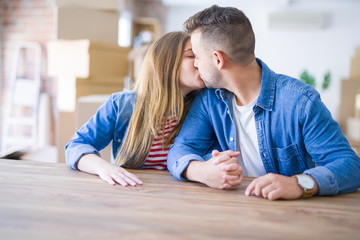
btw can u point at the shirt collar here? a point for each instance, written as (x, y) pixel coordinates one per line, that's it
(222, 93)
(267, 91)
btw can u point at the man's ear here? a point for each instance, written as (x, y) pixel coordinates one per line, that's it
(218, 59)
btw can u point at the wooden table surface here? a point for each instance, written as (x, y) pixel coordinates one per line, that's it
(51, 201)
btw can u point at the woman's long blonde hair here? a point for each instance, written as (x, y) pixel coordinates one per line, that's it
(158, 96)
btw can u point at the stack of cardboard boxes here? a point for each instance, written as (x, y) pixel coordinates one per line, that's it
(349, 89)
(85, 59)
(82, 68)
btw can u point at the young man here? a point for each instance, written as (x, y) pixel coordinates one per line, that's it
(269, 126)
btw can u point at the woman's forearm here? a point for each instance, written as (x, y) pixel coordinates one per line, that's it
(92, 163)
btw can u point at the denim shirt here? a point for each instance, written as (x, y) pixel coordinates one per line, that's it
(110, 123)
(296, 133)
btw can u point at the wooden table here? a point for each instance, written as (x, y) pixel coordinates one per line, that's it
(51, 201)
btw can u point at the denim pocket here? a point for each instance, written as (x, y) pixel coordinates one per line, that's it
(288, 160)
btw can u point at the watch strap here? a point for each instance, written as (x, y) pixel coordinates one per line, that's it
(306, 192)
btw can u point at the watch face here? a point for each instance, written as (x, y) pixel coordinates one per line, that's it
(306, 181)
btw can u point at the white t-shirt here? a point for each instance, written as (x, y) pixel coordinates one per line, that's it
(247, 141)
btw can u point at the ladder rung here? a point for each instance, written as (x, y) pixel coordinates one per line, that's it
(21, 121)
(24, 92)
(23, 140)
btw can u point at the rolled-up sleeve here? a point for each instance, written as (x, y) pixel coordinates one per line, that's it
(94, 135)
(196, 138)
(338, 166)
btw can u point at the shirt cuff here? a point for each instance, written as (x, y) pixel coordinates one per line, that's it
(182, 163)
(325, 180)
(74, 156)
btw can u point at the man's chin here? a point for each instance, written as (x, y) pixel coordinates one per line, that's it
(209, 86)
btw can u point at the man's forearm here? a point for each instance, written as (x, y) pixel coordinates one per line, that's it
(193, 171)
(215, 172)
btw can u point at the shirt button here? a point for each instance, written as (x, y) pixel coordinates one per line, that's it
(231, 139)
(264, 154)
(228, 112)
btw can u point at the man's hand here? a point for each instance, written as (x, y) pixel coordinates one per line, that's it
(222, 171)
(230, 164)
(275, 186)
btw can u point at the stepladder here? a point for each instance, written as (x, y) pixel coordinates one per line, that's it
(21, 108)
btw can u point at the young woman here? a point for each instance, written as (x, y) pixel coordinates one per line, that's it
(143, 123)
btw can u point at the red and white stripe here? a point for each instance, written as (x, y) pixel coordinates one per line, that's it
(157, 156)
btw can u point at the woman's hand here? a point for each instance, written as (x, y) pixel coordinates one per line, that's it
(91, 163)
(114, 174)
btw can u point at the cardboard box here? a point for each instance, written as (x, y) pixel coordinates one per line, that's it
(70, 89)
(353, 128)
(84, 58)
(110, 80)
(355, 67)
(77, 22)
(349, 89)
(65, 129)
(355, 145)
(95, 4)
(84, 68)
(91, 86)
(357, 51)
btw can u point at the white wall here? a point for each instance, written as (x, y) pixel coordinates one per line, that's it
(290, 51)
(1, 66)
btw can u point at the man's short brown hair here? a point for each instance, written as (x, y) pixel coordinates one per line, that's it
(225, 29)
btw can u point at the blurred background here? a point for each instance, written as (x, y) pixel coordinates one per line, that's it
(60, 59)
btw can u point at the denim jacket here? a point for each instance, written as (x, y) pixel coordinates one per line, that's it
(296, 133)
(110, 123)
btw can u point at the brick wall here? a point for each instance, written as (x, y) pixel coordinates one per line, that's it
(35, 21)
(25, 21)
(151, 8)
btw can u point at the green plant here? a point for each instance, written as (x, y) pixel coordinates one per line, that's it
(307, 78)
(327, 80)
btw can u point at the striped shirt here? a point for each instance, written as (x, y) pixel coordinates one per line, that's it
(157, 156)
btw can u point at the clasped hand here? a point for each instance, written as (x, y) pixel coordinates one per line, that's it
(270, 186)
(223, 170)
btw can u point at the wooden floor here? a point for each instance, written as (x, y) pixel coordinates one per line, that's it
(50, 201)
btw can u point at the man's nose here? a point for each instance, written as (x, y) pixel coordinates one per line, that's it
(195, 63)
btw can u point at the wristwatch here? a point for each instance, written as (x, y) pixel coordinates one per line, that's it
(307, 184)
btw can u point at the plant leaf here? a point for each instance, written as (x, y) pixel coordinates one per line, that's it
(327, 80)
